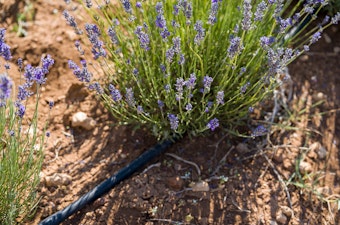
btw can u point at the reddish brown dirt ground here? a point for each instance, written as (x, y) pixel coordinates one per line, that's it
(256, 181)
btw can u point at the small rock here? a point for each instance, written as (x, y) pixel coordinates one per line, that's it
(80, 119)
(242, 148)
(281, 218)
(322, 153)
(315, 146)
(200, 186)
(58, 179)
(287, 211)
(328, 39)
(336, 50)
(305, 167)
(304, 58)
(175, 183)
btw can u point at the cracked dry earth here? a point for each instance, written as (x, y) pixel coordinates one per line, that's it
(241, 181)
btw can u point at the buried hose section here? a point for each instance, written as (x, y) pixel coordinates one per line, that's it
(108, 184)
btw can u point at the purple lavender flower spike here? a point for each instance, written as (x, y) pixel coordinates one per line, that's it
(127, 6)
(247, 14)
(130, 99)
(235, 46)
(213, 124)
(97, 87)
(261, 8)
(213, 12)
(143, 38)
(115, 94)
(5, 88)
(200, 32)
(207, 82)
(244, 87)
(188, 107)
(191, 82)
(220, 97)
(21, 109)
(259, 131)
(173, 119)
(47, 62)
(316, 36)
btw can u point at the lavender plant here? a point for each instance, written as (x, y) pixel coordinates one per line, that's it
(188, 66)
(21, 146)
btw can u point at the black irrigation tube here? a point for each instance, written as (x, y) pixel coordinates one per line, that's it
(108, 184)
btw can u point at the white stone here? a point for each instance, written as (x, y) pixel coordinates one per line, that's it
(80, 119)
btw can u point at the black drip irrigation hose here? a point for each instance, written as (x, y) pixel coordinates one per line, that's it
(108, 184)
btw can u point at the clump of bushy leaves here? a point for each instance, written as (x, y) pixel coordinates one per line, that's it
(191, 66)
(21, 153)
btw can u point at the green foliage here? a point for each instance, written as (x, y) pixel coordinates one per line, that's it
(242, 47)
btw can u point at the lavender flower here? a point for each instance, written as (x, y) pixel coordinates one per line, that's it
(200, 32)
(179, 85)
(143, 38)
(39, 76)
(247, 14)
(139, 5)
(261, 8)
(316, 36)
(5, 88)
(220, 97)
(163, 68)
(306, 48)
(160, 104)
(259, 131)
(266, 41)
(213, 124)
(97, 87)
(181, 60)
(130, 99)
(188, 107)
(213, 12)
(207, 82)
(208, 107)
(51, 104)
(167, 88)
(83, 74)
(23, 92)
(244, 87)
(20, 109)
(127, 6)
(113, 35)
(71, 21)
(235, 46)
(5, 51)
(336, 18)
(115, 94)
(47, 63)
(20, 63)
(93, 33)
(176, 44)
(173, 119)
(169, 54)
(140, 109)
(191, 82)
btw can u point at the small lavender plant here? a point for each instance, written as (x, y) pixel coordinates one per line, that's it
(188, 66)
(21, 153)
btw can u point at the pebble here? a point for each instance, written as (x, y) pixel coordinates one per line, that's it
(305, 167)
(58, 179)
(287, 211)
(176, 183)
(80, 119)
(322, 153)
(281, 218)
(200, 186)
(336, 50)
(242, 148)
